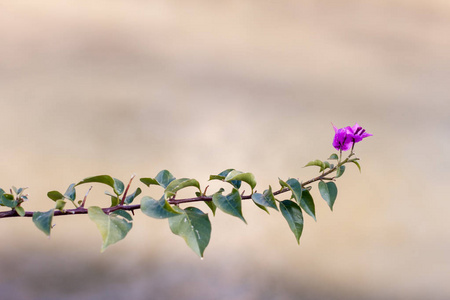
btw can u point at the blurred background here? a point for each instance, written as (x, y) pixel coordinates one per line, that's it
(196, 87)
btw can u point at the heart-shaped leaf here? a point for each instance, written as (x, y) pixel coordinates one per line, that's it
(293, 215)
(163, 178)
(178, 184)
(43, 221)
(55, 195)
(297, 190)
(222, 175)
(159, 209)
(194, 227)
(230, 204)
(116, 184)
(339, 171)
(265, 200)
(328, 191)
(234, 175)
(113, 227)
(130, 198)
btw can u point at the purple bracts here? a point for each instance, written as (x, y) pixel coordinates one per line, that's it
(345, 138)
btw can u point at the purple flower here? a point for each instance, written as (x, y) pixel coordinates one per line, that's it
(345, 138)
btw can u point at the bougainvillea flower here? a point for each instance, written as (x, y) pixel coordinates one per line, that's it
(358, 133)
(345, 138)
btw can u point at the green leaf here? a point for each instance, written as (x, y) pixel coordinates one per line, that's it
(265, 200)
(149, 181)
(163, 178)
(115, 201)
(130, 198)
(123, 214)
(43, 220)
(159, 209)
(212, 206)
(71, 193)
(334, 156)
(8, 200)
(326, 166)
(307, 202)
(113, 227)
(297, 190)
(222, 175)
(340, 171)
(20, 211)
(249, 178)
(19, 191)
(230, 204)
(178, 184)
(316, 162)
(194, 227)
(357, 164)
(116, 184)
(328, 191)
(60, 204)
(293, 215)
(55, 195)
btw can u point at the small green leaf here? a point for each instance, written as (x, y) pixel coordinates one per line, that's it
(19, 191)
(249, 178)
(293, 215)
(113, 227)
(71, 193)
(326, 166)
(159, 209)
(115, 201)
(265, 200)
(8, 200)
(130, 198)
(20, 211)
(149, 181)
(55, 195)
(194, 227)
(316, 162)
(222, 175)
(334, 156)
(43, 220)
(230, 204)
(163, 178)
(60, 204)
(116, 184)
(297, 190)
(357, 164)
(328, 191)
(178, 184)
(340, 171)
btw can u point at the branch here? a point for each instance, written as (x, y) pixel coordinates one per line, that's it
(81, 210)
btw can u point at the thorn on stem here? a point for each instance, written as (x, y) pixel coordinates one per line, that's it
(126, 190)
(85, 197)
(204, 193)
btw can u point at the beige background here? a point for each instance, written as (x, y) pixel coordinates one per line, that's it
(112, 87)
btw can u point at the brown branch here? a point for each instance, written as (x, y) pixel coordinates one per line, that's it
(173, 201)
